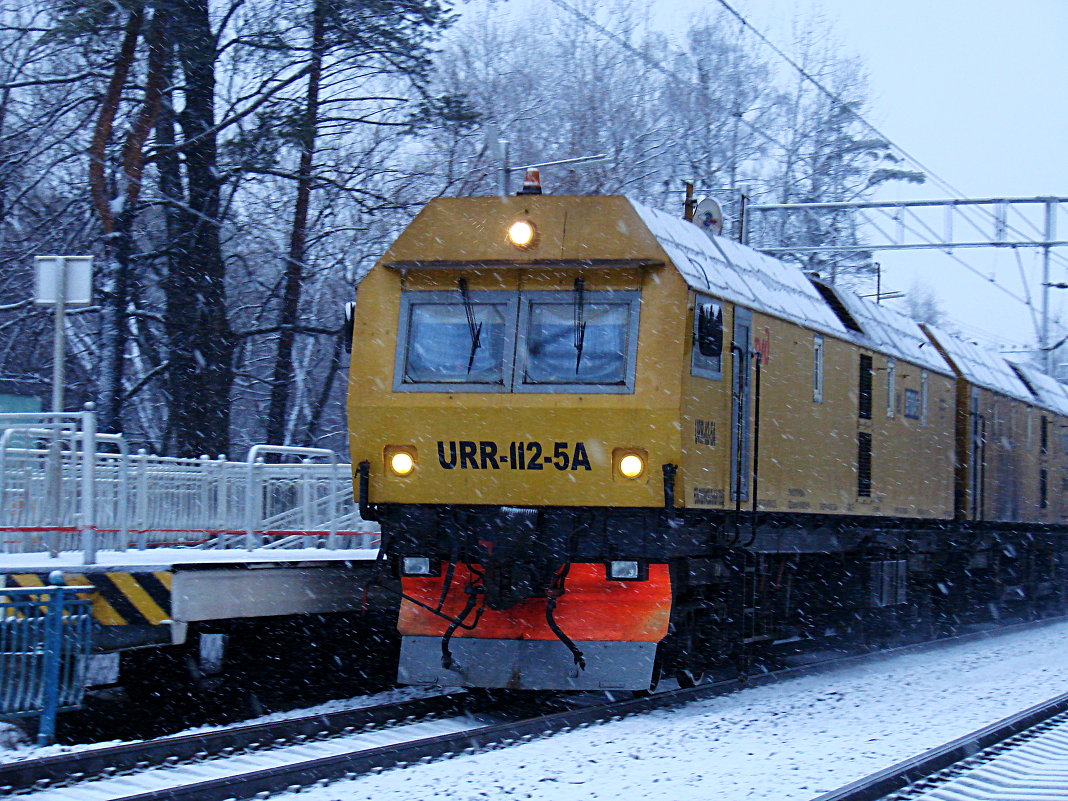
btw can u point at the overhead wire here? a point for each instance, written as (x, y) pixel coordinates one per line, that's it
(1027, 288)
(1027, 300)
(937, 179)
(659, 67)
(964, 264)
(654, 64)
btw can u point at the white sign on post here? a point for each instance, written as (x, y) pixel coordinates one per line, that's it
(79, 280)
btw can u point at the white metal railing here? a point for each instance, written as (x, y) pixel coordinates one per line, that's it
(305, 488)
(65, 487)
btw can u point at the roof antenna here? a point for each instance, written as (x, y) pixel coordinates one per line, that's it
(499, 152)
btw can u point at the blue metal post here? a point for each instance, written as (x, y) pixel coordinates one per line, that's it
(53, 647)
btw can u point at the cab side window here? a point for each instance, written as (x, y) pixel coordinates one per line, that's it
(707, 358)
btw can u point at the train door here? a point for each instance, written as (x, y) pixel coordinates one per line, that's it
(741, 349)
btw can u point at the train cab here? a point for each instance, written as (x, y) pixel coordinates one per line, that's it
(512, 410)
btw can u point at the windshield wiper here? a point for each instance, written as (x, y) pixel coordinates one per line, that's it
(580, 320)
(473, 328)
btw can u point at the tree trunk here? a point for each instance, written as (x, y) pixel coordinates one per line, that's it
(282, 379)
(170, 187)
(115, 272)
(337, 366)
(115, 329)
(200, 342)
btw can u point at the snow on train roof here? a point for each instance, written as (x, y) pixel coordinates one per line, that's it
(894, 333)
(739, 274)
(1049, 392)
(982, 367)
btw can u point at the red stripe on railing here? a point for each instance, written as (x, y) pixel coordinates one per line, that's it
(206, 534)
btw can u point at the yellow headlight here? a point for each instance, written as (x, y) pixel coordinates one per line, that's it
(521, 234)
(631, 466)
(401, 463)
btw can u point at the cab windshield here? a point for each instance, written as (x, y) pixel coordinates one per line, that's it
(537, 341)
(563, 350)
(451, 338)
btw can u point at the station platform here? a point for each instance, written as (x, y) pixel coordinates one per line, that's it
(151, 596)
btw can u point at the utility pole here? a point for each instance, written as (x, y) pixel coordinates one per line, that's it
(1048, 233)
(60, 281)
(59, 337)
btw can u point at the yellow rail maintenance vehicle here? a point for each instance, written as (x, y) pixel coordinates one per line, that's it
(604, 444)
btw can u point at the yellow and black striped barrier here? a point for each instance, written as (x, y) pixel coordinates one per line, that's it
(118, 599)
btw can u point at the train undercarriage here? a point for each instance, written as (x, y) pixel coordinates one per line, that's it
(527, 598)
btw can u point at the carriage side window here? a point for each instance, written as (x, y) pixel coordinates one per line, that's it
(817, 368)
(578, 341)
(707, 352)
(865, 388)
(912, 404)
(455, 341)
(863, 465)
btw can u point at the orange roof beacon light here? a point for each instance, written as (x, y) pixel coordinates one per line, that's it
(531, 182)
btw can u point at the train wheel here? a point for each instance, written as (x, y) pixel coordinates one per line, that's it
(691, 678)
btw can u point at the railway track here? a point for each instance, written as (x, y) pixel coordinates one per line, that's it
(83, 766)
(1023, 757)
(260, 759)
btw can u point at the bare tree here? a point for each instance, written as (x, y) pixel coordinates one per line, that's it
(923, 305)
(828, 153)
(247, 160)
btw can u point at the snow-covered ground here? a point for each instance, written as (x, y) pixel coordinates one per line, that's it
(785, 742)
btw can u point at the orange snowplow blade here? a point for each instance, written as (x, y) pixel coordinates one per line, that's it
(591, 608)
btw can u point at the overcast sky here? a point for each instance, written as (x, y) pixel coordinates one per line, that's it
(975, 89)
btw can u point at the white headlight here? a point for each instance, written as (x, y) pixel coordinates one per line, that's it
(631, 466)
(521, 233)
(401, 463)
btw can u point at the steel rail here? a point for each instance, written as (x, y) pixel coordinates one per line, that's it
(83, 765)
(323, 770)
(969, 747)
